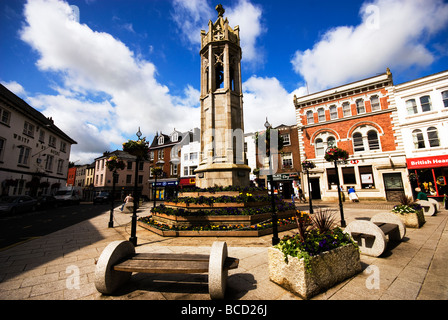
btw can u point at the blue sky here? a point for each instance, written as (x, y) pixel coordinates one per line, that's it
(119, 65)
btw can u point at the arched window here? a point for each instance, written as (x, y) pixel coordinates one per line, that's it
(372, 140)
(417, 137)
(331, 142)
(323, 141)
(321, 114)
(358, 144)
(309, 117)
(319, 146)
(365, 138)
(433, 137)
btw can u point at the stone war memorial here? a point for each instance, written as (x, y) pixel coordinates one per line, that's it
(222, 203)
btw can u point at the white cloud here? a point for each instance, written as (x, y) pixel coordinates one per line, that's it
(392, 34)
(248, 17)
(94, 66)
(193, 16)
(15, 87)
(266, 97)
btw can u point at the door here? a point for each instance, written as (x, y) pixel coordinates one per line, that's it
(393, 185)
(315, 188)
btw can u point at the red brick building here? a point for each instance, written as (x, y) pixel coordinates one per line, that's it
(361, 118)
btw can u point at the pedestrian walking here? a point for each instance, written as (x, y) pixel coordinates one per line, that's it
(128, 199)
(352, 194)
(301, 196)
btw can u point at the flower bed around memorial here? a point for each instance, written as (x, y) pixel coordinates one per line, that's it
(221, 211)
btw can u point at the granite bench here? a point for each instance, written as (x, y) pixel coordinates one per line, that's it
(430, 206)
(373, 236)
(118, 261)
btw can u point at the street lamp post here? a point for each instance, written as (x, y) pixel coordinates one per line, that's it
(133, 238)
(275, 238)
(310, 198)
(341, 209)
(112, 201)
(334, 154)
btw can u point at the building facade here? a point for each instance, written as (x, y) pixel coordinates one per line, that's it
(34, 152)
(361, 118)
(423, 117)
(189, 157)
(162, 156)
(287, 164)
(125, 181)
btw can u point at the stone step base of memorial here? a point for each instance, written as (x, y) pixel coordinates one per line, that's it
(216, 233)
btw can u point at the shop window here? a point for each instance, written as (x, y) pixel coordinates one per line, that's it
(433, 137)
(375, 103)
(417, 137)
(346, 110)
(425, 102)
(445, 98)
(366, 177)
(348, 175)
(309, 117)
(333, 112)
(411, 106)
(332, 179)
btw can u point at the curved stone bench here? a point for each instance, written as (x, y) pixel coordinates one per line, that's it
(118, 260)
(436, 203)
(429, 208)
(373, 236)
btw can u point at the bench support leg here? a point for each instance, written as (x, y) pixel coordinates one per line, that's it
(107, 280)
(217, 275)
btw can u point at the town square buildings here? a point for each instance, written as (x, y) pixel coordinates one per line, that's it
(395, 136)
(34, 152)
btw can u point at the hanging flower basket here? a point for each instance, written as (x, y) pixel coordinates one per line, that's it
(307, 165)
(113, 163)
(336, 154)
(137, 148)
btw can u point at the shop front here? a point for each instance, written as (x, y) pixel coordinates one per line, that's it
(430, 174)
(166, 188)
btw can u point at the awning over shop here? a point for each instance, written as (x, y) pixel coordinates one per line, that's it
(427, 162)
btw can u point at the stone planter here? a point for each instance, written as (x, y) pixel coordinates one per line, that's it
(327, 269)
(412, 220)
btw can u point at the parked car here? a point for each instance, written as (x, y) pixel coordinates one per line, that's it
(17, 204)
(102, 197)
(45, 202)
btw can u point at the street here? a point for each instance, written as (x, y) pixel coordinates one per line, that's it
(23, 227)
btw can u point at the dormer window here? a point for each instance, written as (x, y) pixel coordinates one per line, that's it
(161, 140)
(174, 137)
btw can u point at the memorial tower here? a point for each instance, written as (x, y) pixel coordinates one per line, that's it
(222, 159)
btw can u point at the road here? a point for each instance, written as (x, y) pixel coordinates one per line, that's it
(23, 227)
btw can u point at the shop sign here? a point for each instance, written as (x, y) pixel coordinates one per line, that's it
(166, 183)
(427, 162)
(286, 176)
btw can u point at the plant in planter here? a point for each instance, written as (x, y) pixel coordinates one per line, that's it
(409, 212)
(315, 259)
